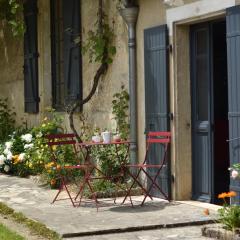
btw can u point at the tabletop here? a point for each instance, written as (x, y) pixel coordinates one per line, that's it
(85, 144)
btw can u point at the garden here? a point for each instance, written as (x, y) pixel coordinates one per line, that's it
(24, 151)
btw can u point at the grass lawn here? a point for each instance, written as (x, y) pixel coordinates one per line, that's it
(6, 234)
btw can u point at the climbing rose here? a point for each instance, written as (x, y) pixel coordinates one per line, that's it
(234, 174)
(30, 145)
(6, 151)
(21, 157)
(27, 137)
(8, 145)
(9, 156)
(2, 159)
(6, 168)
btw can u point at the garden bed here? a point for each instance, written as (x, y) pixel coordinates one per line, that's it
(107, 193)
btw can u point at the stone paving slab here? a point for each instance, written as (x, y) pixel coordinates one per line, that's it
(35, 202)
(180, 233)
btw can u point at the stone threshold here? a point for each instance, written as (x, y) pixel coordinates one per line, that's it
(138, 228)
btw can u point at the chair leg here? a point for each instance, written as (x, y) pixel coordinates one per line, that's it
(139, 184)
(129, 190)
(63, 186)
(153, 180)
(66, 188)
(87, 175)
(59, 191)
(93, 193)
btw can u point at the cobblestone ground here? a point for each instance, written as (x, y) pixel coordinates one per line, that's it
(189, 233)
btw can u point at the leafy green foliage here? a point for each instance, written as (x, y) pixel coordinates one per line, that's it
(100, 42)
(108, 158)
(120, 110)
(12, 12)
(230, 217)
(7, 120)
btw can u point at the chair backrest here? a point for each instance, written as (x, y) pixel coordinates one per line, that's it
(67, 139)
(163, 138)
(61, 139)
(159, 137)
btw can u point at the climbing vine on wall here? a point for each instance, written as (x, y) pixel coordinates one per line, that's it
(99, 45)
(11, 12)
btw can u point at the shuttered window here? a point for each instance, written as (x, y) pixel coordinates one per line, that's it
(66, 55)
(31, 97)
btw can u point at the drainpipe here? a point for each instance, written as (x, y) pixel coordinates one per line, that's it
(130, 15)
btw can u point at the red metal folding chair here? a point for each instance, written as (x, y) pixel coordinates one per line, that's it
(55, 141)
(163, 138)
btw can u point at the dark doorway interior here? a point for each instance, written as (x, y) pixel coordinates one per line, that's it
(220, 109)
(209, 110)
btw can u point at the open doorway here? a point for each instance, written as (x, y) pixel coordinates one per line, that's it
(220, 103)
(209, 110)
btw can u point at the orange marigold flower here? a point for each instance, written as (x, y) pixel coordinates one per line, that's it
(232, 194)
(222, 195)
(53, 182)
(58, 167)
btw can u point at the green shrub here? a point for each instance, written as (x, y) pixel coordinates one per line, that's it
(229, 215)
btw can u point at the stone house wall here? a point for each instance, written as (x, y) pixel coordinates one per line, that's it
(152, 13)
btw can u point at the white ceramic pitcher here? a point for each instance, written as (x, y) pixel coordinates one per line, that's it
(106, 137)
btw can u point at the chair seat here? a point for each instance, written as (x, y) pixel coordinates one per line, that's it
(144, 165)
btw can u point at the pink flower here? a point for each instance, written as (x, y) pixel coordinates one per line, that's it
(234, 174)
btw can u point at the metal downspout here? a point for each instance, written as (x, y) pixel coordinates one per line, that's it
(130, 15)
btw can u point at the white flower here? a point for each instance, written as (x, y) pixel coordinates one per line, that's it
(21, 157)
(27, 146)
(9, 156)
(234, 174)
(39, 135)
(6, 168)
(8, 145)
(2, 159)
(27, 137)
(6, 151)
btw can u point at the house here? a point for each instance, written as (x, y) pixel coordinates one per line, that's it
(188, 68)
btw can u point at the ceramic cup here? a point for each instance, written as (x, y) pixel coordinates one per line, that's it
(96, 139)
(116, 138)
(106, 137)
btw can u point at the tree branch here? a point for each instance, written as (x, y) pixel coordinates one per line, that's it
(101, 71)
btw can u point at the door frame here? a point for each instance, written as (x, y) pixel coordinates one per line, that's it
(180, 86)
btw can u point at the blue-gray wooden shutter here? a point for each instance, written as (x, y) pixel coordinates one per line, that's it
(72, 53)
(31, 97)
(156, 93)
(233, 51)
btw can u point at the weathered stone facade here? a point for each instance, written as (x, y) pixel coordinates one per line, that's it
(152, 13)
